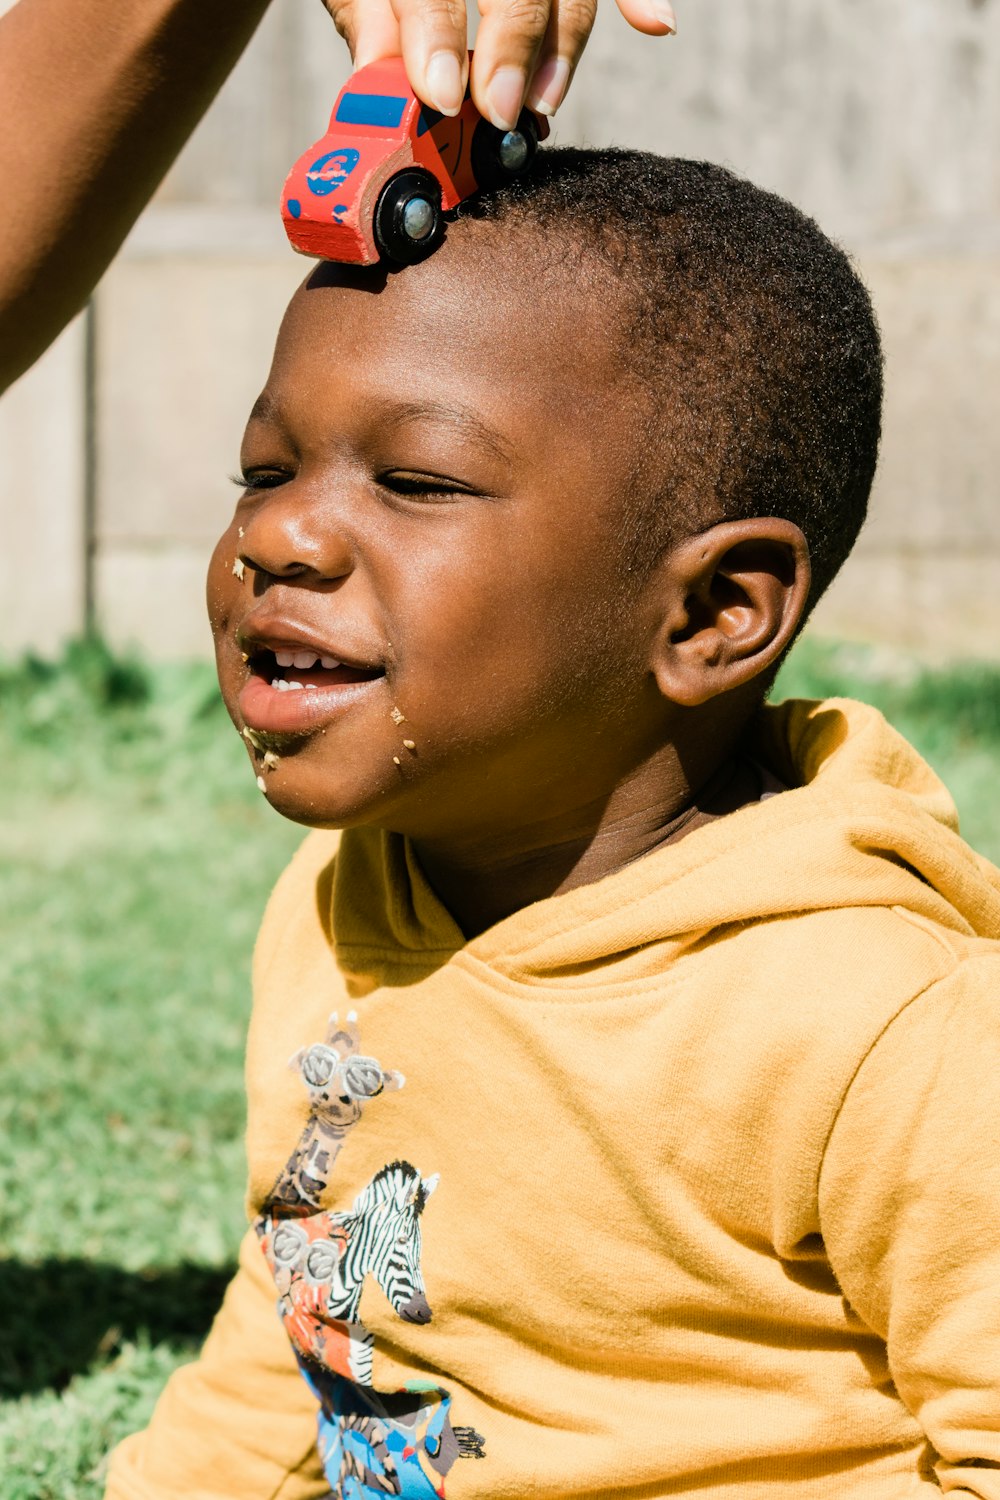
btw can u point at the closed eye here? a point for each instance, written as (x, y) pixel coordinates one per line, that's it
(260, 479)
(423, 486)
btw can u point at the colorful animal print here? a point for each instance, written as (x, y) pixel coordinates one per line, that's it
(320, 1263)
(372, 1443)
(400, 1443)
(340, 1082)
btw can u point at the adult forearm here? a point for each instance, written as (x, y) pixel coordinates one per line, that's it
(99, 96)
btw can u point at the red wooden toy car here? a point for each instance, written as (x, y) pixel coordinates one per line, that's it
(375, 186)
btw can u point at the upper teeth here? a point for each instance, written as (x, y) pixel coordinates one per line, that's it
(304, 660)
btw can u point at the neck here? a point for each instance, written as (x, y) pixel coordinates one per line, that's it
(482, 885)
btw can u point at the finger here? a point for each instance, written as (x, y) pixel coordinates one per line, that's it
(434, 44)
(570, 25)
(510, 35)
(369, 28)
(654, 17)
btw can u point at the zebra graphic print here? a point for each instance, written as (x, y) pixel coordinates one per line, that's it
(383, 1239)
(320, 1264)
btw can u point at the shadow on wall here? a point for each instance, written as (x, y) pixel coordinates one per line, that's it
(61, 1316)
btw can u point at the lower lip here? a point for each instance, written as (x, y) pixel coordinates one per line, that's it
(298, 710)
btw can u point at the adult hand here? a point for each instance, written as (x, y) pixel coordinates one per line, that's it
(526, 50)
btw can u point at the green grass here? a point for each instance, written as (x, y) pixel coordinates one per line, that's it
(137, 855)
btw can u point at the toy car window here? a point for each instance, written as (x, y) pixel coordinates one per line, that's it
(370, 109)
(428, 119)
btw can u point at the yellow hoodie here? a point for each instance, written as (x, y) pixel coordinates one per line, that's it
(684, 1182)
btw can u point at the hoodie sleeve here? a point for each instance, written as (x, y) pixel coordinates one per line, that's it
(910, 1215)
(239, 1423)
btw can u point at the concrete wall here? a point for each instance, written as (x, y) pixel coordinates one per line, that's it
(881, 117)
(43, 500)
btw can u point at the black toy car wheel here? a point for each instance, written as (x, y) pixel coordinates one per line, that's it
(500, 155)
(407, 220)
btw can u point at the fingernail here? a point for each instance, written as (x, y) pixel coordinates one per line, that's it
(549, 85)
(444, 82)
(505, 96)
(664, 13)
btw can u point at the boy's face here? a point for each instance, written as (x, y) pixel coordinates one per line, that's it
(437, 471)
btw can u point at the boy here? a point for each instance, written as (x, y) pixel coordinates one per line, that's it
(651, 1147)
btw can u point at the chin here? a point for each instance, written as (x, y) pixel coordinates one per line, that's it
(311, 800)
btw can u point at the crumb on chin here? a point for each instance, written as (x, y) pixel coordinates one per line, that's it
(261, 784)
(397, 716)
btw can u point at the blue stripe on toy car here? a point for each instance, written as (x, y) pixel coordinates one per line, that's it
(370, 109)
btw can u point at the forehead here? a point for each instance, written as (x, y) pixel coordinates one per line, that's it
(485, 323)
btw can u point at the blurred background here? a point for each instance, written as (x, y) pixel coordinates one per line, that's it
(135, 851)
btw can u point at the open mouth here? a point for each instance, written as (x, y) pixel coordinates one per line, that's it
(293, 691)
(294, 671)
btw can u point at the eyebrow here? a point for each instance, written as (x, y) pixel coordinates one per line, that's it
(266, 409)
(462, 417)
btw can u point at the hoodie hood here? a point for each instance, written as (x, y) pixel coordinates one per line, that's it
(865, 823)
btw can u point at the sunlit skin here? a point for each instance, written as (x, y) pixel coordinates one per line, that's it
(437, 477)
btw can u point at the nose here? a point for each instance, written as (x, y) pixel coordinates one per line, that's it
(417, 1310)
(291, 534)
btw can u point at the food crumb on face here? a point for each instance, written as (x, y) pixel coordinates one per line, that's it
(270, 759)
(262, 784)
(252, 737)
(409, 744)
(396, 760)
(238, 569)
(397, 717)
(241, 531)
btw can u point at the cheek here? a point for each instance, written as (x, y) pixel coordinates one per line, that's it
(513, 636)
(222, 587)
(216, 587)
(223, 592)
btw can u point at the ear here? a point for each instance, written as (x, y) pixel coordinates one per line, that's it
(732, 598)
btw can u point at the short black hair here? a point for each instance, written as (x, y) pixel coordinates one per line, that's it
(748, 325)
